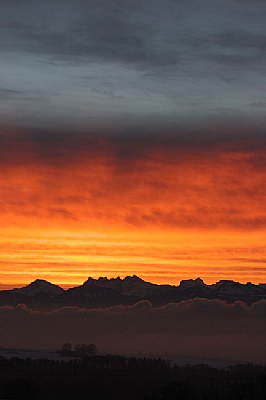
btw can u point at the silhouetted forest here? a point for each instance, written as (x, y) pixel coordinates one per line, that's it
(114, 377)
(78, 350)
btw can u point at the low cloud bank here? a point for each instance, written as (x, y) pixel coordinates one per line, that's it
(194, 328)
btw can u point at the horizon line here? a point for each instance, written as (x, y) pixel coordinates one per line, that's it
(66, 286)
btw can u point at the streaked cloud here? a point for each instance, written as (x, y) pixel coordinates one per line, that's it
(174, 181)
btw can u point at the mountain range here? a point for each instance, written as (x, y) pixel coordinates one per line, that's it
(104, 292)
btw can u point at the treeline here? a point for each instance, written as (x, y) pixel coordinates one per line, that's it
(119, 378)
(78, 350)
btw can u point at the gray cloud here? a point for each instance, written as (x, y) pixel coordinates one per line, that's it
(121, 59)
(6, 94)
(161, 34)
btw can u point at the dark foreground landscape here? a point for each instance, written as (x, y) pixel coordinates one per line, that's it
(115, 377)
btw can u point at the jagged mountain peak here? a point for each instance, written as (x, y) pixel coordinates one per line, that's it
(133, 278)
(187, 283)
(92, 280)
(104, 279)
(130, 285)
(227, 282)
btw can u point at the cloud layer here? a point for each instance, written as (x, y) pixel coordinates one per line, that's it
(75, 62)
(174, 180)
(193, 328)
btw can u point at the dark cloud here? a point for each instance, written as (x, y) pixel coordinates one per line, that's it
(203, 327)
(125, 145)
(242, 40)
(83, 61)
(205, 217)
(258, 104)
(161, 35)
(6, 94)
(120, 30)
(12, 95)
(99, 29)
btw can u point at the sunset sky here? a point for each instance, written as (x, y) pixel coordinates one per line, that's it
(132, 140)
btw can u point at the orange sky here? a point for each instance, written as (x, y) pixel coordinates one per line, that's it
(164, 212)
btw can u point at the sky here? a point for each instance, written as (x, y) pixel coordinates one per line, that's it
(132, 140)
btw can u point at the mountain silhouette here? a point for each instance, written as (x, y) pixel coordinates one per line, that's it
(104, 292)
(41, 286)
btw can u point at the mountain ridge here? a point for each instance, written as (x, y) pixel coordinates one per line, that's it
(106, 292)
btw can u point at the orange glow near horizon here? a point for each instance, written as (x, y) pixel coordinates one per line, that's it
(68, 259)
(165, 215)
